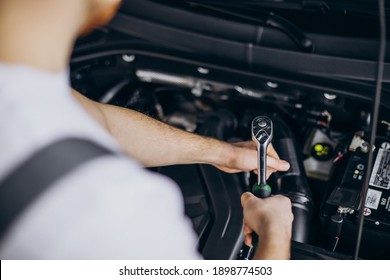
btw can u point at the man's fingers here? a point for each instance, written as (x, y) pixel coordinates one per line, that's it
(247, 230)
(245, 159)
(248, 236)
(248, 240)
(277, 164)
(269, 172)
(273, 160)
(244, 198)
(271, 152)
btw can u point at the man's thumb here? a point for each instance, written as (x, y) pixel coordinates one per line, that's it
(245, 197)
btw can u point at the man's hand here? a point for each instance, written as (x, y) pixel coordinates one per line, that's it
(271, 219)
(242, 156)
(170, 145)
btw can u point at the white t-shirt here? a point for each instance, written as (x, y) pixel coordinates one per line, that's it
(109, 208)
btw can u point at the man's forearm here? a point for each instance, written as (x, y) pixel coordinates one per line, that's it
(152, 142)
(155, 143)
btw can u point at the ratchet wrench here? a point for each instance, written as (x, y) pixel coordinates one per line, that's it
(262, 133)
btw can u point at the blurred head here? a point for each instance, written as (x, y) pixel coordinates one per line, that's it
(101, 11)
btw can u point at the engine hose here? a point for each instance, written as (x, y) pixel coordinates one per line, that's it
(292, 183)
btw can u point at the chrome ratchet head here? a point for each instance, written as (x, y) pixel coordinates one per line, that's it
(262, 133)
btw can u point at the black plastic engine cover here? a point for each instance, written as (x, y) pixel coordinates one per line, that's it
(212, 197)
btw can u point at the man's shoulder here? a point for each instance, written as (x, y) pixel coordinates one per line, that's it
(109, 208)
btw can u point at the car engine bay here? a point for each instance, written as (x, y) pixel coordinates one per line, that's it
(321, 134)
(321, 126)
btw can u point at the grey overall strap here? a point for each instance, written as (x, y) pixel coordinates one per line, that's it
(39, 172)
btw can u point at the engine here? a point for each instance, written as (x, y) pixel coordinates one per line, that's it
(322, 131)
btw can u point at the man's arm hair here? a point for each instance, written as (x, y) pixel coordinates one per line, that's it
(150, 141)
(154, 143)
